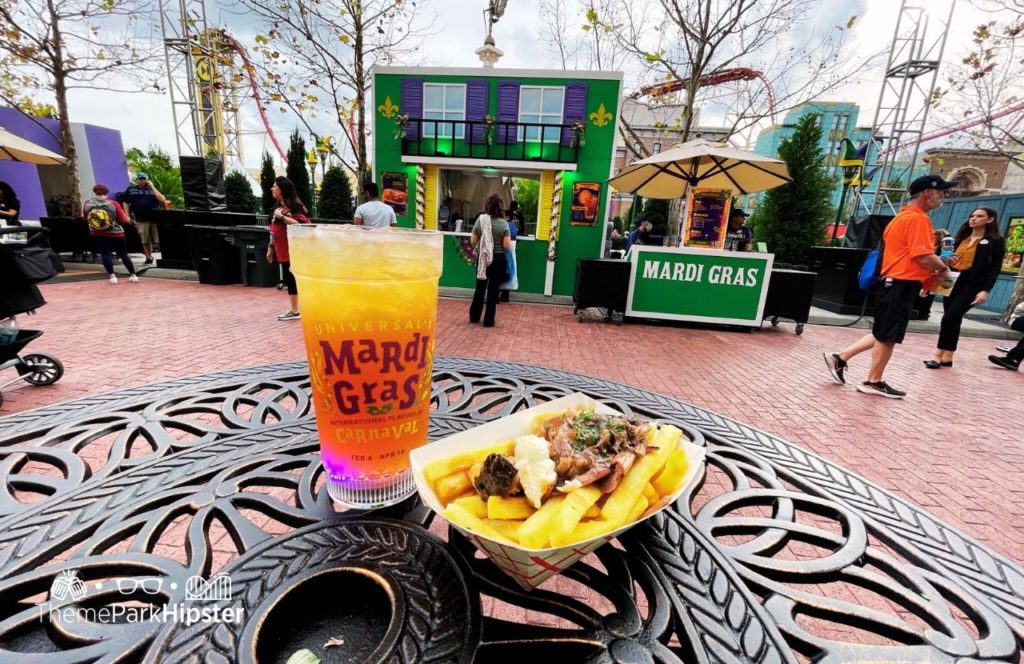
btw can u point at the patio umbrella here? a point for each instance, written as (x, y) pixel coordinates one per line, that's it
(703, 163)
(18, 149)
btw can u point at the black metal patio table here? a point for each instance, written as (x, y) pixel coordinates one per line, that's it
(779, 555)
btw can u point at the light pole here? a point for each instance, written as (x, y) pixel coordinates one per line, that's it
(851, 162)
(312, 161)
(323, 148)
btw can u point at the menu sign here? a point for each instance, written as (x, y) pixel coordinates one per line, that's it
(395, 191)
(707, 216)
(585, 196)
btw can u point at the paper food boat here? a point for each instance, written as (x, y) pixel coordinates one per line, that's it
(531, 567)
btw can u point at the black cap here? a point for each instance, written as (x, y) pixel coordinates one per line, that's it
(738, 211)
(926, 182)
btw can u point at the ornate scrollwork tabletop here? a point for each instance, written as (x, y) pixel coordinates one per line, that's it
(186, 522)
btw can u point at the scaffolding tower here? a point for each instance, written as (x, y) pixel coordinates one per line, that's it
(204, 83)
(907, 93)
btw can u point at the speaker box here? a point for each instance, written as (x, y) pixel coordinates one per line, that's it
(202, 183)
(864, 233)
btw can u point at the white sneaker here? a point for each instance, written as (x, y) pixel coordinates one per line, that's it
(133, 279)
(113, 278)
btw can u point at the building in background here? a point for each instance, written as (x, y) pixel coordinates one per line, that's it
(980, 172)
(838, 120)
(43, 190)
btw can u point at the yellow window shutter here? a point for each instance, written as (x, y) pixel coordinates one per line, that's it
(547, 190)
(430, 196)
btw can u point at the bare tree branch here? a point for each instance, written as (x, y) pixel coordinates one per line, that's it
(317, 56)
(48, 47)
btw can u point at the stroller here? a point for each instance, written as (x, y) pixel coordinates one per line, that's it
(22, 266)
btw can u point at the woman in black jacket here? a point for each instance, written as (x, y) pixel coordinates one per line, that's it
(979, 251)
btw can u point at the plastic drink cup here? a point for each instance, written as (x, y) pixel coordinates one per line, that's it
(369, 315)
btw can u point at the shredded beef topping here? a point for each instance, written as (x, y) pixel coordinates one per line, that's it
(497, 477)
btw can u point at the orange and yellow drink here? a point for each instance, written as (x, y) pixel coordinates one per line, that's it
(369, 316)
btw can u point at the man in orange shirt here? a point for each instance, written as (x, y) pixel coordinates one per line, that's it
(908, 258)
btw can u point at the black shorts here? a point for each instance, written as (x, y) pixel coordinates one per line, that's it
(894, 302)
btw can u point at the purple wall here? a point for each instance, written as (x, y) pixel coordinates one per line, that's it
(24, 179)
(103, 150)
(16, 123)
(107, 155)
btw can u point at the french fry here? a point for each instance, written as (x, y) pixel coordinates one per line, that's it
(450, 486)
(474, 504)
(435, 470)
(619, 504)
(534, 532)
(509, 529)
(588, 530)
(668, 480)
(540, 418)
(460, 516)
(509, 508)
(474, 472)
(638, 508)
(593, 512)
(650, 493)
(570, 512)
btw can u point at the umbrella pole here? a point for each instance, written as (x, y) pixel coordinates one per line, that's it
(684, 222)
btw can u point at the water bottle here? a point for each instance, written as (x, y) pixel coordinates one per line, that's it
(947, 247)
(8, 330)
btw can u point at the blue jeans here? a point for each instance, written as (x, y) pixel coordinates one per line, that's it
(107, 246)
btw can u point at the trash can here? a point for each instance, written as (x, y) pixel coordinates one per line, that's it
(604, 283)
(252, 242)
(214, 254)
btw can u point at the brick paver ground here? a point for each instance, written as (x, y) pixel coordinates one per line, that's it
(954, 446)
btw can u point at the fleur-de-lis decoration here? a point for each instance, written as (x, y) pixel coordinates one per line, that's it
(388, 109)
(601, 116)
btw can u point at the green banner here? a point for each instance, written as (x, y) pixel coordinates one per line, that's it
(698, 284)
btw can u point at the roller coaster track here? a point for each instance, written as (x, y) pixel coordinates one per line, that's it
(250, 74)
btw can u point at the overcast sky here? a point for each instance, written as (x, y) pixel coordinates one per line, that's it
(146, 118)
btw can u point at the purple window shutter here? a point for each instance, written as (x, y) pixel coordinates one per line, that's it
(574, 108)
(508, 111)
(476, 107)
(412, 105)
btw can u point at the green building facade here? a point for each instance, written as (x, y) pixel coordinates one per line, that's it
(446, 138)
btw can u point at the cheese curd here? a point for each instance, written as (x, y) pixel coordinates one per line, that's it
(535, 468)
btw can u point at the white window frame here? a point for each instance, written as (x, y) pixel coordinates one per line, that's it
(543, 138)
(443, 130)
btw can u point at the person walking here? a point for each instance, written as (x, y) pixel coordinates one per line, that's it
(289, 210)
(105, 218)
(979, 249)
(1014, 355)
(908, 258)
(373, 213)
(141, 199)
(491, 237)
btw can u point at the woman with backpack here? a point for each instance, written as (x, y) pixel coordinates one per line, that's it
(289, 210)
(104, 218)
